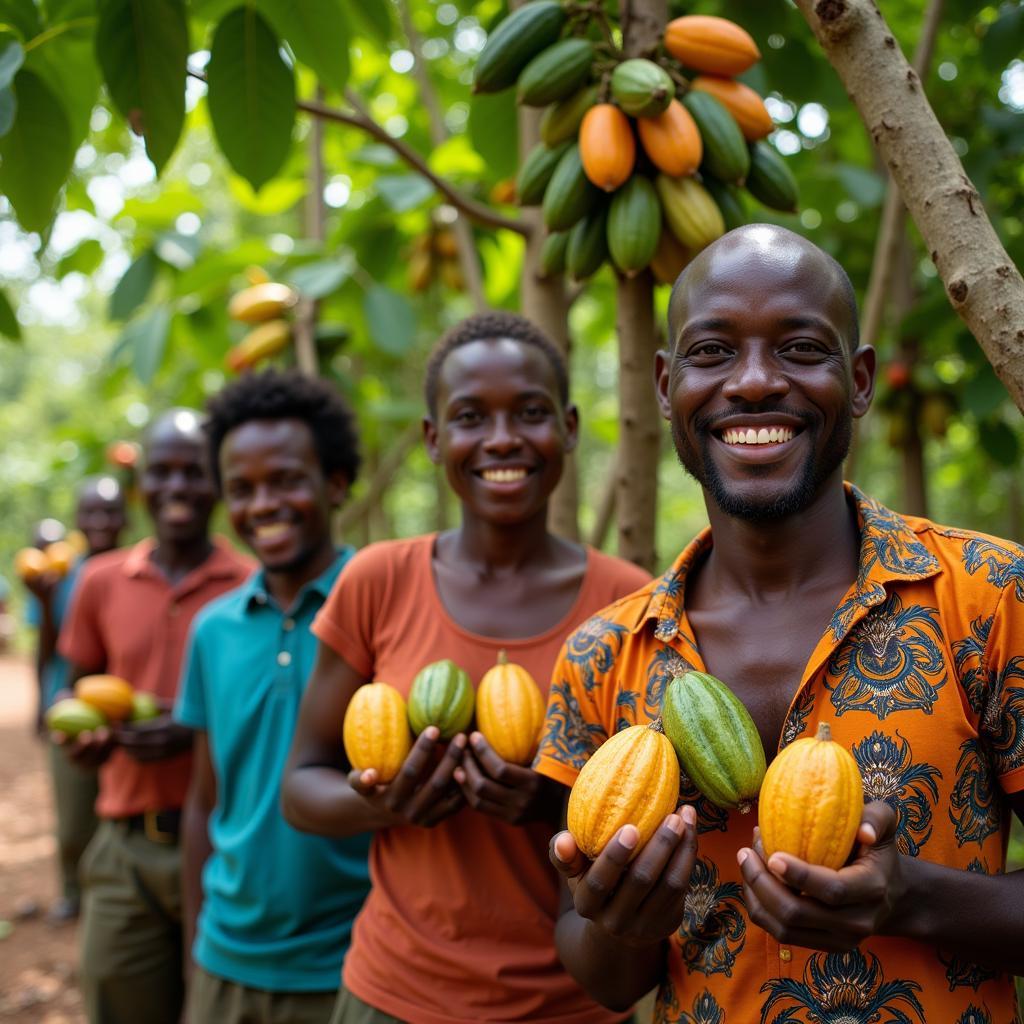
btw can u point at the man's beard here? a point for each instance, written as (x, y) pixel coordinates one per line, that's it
(813, 473)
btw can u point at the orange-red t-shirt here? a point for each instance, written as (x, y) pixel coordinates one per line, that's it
(128, 620)
(920, 675)
(459, 924)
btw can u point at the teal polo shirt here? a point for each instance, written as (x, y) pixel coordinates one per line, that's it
(55, 674)
(278, 904)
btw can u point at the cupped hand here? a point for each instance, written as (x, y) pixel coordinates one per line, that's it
(154, 739)
(424, 792)
(639, 902)
(803, 904)
(503, 790)
(88, 749)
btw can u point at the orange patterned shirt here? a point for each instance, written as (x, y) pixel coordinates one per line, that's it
(920, 674)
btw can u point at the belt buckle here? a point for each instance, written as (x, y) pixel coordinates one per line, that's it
(152, 830)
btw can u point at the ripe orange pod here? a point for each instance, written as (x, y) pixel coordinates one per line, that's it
(510, 711)
(112, 696)
(607, 146)
(376, 730)
(706, 43)
(61, 555)
(672, 140)
(30, 563)
(741, 101)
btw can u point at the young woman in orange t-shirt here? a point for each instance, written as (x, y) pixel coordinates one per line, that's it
(459, 926)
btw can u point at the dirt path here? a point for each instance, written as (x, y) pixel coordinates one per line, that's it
(37, 962)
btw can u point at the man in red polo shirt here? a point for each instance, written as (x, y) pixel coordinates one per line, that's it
(129, 617)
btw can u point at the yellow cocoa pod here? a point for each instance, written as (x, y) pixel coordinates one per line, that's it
(811, 801)
(260, 343)
(632, 779)
(376, 730)
(510, 711)
(61, 556)
(112, 696)
(261, 302)
(30, 563)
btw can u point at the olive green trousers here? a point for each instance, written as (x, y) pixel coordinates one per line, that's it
(74, 799)
(213, 1000)
(131, 939)
(350, 1009)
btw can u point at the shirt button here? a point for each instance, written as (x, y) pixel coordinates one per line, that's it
(785, 955)
(284, 659)
(288, 625)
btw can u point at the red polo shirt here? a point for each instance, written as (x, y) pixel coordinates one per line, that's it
(127, 619)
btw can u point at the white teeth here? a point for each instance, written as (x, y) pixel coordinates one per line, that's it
(503, 476)
(270, 530)
(765, 435)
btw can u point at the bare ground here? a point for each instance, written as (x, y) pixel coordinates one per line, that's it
(37, 962)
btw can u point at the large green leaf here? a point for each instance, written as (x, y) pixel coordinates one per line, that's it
(318, 32)
(404, 191)
(83, 259)
(1000, 442)
(1004, 38)
(315, 280)
(8, 108)
(142, 46)
(490, 118)
(146, 337)
(251, 96)
(131, 291)
(36, 154)
(9, 326)
(390, 318)
(12, 56)
(22, 16)
(984, 393)
(371, 20)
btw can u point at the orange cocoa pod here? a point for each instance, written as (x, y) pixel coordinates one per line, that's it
(706, 43)
(811, 801)
(112, 696)
(29, 563)
(607, 146)
(61, 555)
(376, 730)
(746, 107)
(672, 140)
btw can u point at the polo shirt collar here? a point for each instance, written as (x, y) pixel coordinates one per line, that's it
(890, 552)
(218, 565)
(255, 594)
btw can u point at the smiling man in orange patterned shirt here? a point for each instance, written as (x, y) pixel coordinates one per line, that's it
(815, 604)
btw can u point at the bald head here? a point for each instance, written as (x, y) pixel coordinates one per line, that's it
(105, 487)
(769, 251)
(176, 425)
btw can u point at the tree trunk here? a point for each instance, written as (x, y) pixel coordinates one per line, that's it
(643, 24)
(983, 285)
(546, 303)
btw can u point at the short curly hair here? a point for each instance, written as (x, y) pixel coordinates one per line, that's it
(492, 327)
(287, 394)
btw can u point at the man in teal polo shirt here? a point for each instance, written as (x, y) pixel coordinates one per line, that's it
(271, 909)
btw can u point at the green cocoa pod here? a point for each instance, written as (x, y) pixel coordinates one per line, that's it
(690, 212)
(441, 695)
(570, 194)
(715, 739)
(72, 716)
(555, 73)
(552, 253)
(515, 42)
(534, 175)
(641, 88)
(634, 225)
(727, 199)
(588, 244)
(726, 156)
(770, 181)
(561, 121)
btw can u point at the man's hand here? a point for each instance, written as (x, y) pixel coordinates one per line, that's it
(640, 902)
(424, 791)
(507, 791)
(41, 587)
(801, 904)
(87, 749)
(154, 739)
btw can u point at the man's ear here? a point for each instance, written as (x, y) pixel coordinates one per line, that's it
(662, 363)
(572, 427)
(337, 488)
(430, 440)
(863, 367)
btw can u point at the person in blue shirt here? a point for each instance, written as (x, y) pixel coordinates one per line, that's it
(101, 517)
(268, 909)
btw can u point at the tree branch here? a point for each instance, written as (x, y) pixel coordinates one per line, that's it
(982, 284)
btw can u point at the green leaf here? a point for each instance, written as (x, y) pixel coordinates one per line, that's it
(490, 115)
(1000, 442)
(147, 338)
(36, 154)
(12, 56)
(131, 291)
(317, 31)
(1004, 39)
(8, 108)
(404, 192)
(179, 250)
(390, 318)
(22, 17)
(371, 20)
(984, 392)
(83, 259)
(863, 186)
(142, 46)
(251, 96)
(315, 280)
(9, 326)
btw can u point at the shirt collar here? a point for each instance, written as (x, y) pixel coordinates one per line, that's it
(221, 563)
(889, 552)
(255, 593)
